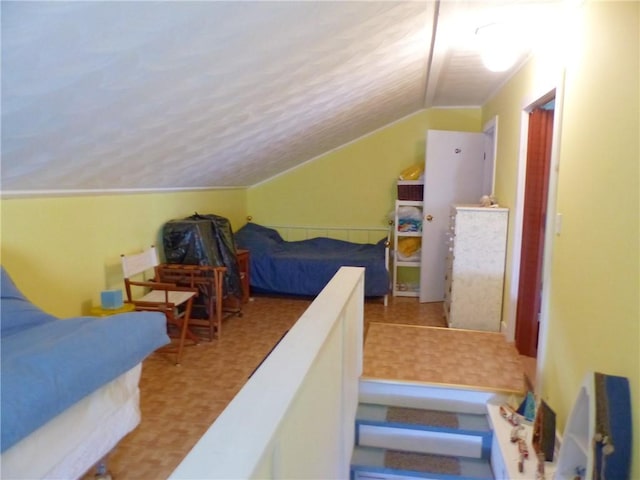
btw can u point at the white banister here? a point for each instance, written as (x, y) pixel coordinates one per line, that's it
(294, 418)
(293, 233)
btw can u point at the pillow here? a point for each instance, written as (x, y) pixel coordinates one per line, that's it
(259, 230)
(8, 289)
(16, 312)
(257, 239)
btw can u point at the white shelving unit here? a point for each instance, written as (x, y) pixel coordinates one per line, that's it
(601, 415)
(400, 262)
(575, 444)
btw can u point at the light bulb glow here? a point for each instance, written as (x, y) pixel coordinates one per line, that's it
(499, 46)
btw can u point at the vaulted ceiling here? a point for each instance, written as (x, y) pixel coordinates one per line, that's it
(163, 95)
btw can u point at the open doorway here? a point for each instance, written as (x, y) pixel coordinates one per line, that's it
(534, 221)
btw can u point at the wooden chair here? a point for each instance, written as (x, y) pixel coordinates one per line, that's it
(173, 300)
(209, 283)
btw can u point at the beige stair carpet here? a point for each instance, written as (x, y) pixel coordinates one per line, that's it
(418, 416)
(421, 462)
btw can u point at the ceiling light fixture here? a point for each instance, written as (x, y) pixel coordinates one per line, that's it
(499, 46)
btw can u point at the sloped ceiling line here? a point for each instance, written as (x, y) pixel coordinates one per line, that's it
(432, 71)
(119, 96)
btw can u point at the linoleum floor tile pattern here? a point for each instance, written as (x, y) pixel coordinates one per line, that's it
(442, 356)
(404, 311)
(180, 403)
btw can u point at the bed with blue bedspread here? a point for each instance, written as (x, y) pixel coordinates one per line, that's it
(49, 366)
(304, 267)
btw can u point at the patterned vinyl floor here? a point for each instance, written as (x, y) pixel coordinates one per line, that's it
(179, 403)
(442, 356)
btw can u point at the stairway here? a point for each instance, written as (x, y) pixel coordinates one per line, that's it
(406, 431)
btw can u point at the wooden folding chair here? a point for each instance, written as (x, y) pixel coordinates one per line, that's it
(209, 283)
(173, 300)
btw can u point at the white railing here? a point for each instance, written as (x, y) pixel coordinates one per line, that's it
(293, 233)
(294, 418)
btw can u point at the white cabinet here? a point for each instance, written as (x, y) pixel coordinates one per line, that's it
(475, 266)
(407, 240)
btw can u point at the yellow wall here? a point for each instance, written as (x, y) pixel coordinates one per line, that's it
(71, 245)
(537, 76)
(62, 251)
(355, 184)
(594, 309)
(594, 314)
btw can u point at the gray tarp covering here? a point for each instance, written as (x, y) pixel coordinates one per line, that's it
(204, 240)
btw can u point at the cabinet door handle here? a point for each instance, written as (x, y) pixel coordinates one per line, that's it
(429, 218)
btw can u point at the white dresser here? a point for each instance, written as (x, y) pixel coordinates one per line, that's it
(475, 263)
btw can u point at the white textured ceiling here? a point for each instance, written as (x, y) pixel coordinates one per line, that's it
(163, 95)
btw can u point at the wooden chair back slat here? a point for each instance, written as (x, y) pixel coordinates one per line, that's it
(138, 263)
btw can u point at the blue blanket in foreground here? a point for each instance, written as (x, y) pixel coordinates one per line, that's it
(49, 364)
(305, 267)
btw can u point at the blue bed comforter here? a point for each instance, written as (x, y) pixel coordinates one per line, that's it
(305, 267)
(49, 364)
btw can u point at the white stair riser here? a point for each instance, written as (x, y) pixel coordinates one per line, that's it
(425, 397)
(421, 441)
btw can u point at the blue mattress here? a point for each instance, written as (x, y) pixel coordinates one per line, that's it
(305, 267)
(49, 364)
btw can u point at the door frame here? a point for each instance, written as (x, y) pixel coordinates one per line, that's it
(534, 99)
(490, 131)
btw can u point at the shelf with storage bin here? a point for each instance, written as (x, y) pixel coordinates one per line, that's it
(407, 240)
(410, 190)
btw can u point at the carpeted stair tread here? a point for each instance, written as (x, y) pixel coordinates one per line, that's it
(417, 416)
(421, 462)
(391, 463)
(420, 417)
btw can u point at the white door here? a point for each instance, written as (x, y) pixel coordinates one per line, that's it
(488, 178)
(453, 173)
